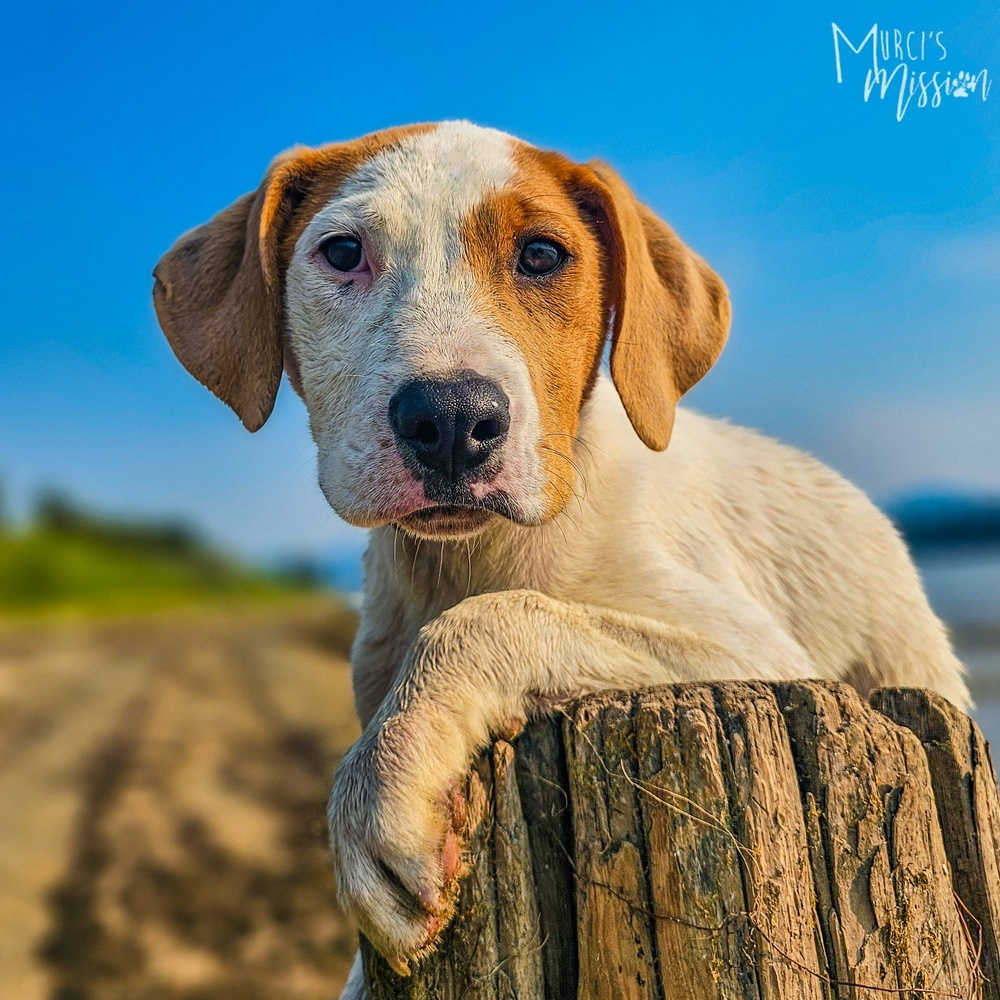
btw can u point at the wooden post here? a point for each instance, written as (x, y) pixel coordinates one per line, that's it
(741, 841)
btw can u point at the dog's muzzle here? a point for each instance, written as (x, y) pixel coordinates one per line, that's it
(450, 430)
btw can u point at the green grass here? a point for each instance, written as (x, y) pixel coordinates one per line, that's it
(44, 571)
(70, 559)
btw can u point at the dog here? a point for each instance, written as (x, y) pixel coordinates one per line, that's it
(441, 297)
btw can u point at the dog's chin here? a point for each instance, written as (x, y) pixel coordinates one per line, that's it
(447, 522)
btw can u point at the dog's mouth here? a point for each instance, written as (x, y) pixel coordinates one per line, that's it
(457, 520)
(447, 520)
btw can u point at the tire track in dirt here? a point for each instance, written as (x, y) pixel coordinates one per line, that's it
(197, 866)
(62, 691)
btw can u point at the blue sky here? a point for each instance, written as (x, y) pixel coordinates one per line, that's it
(862, 253)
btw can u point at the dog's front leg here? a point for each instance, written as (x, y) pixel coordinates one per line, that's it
(478, 670)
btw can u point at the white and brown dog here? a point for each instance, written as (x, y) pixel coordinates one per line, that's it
(440, 297)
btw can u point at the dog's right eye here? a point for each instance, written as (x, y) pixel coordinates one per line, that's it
(344, 253)
(540, 257)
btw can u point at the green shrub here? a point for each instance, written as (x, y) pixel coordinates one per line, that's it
(71, 559)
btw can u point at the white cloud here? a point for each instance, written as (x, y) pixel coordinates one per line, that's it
(972, 257)
(889, 447)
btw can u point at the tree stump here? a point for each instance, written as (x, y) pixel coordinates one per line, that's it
(734, 840)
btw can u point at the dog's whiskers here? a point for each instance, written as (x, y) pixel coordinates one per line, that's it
(578, 439)
(573, 493)
(416, 554)
(576, 468)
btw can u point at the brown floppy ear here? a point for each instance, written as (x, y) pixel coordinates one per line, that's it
(218, 297)
(671, 310)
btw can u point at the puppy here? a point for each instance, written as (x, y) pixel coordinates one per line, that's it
(440, 296)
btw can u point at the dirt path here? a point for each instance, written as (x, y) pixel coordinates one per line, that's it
(162, 788)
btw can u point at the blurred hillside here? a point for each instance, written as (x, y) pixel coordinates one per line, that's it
(66, 558)
(937, 522)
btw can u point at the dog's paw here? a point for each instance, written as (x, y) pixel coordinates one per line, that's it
(398, 850)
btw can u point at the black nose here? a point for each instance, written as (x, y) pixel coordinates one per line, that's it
(450, 425)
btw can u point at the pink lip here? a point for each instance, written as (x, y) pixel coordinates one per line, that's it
(396, 513)
(408, 498)
(400, 511)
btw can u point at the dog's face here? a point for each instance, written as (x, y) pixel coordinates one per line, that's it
(440, 297)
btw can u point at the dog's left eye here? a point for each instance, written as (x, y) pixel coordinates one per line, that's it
(345, 253)
(540, 257)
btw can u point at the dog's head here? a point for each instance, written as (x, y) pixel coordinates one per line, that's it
(440, 296)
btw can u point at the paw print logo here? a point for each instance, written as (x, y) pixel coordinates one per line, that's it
(964, 84)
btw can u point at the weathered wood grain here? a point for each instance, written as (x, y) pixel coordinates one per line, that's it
(739, 841)
(968, 808)
(892, 920)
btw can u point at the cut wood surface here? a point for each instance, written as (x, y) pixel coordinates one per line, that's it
(737, 840)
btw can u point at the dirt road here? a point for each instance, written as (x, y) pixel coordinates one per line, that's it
(162, 791)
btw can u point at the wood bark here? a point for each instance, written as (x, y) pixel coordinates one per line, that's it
(740, 841)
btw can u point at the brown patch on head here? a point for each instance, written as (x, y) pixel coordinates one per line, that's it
(625, 267)
(558, 321)
(219, 290)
